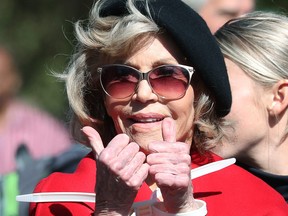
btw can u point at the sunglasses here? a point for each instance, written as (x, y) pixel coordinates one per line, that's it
(166, 81)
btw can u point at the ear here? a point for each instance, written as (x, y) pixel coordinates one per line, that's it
(279, 102)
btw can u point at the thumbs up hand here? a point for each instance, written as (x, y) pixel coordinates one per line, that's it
(121, 170)
(170, 167)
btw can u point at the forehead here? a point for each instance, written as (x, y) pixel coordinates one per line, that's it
(235, 7)
(239, 80)
(160, 47)
(226, 3)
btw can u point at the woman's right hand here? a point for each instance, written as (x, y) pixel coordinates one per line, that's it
(121, 170)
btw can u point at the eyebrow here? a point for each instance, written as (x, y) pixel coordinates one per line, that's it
(156, 63)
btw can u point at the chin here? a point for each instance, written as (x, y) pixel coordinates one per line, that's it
(144, 140)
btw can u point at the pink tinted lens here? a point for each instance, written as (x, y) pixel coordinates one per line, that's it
(169, 82)
(119, 81)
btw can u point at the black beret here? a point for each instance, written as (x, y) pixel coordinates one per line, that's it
(191, 33)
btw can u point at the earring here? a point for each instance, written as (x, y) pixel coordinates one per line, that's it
(272, 105)
(270, 109)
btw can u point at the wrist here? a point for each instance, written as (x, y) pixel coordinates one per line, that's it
(105, 209)
(201, 210)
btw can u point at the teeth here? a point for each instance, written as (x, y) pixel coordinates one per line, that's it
(147, 120)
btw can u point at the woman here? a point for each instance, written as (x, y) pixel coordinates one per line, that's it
(255, 49)
(136, 79)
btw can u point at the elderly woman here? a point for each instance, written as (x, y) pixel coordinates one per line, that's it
(255, 49)
(148, 86)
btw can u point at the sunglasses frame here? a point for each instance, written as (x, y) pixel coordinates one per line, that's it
(145, 76)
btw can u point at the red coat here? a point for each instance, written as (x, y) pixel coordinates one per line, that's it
(231, 191)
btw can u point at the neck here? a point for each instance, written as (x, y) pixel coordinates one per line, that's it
(274, 159)
(153, 186)
(268, 152)
(151, 183)
(270, 155)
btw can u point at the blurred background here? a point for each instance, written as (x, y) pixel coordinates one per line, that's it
(40, 35)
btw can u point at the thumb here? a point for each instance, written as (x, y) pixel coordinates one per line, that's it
(169, 130)
(94, 139)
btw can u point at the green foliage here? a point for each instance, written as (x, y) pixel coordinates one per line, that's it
(273, 5)
(40, 35)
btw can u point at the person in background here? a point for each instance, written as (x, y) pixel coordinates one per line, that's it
(150, 78)
(218, 12)
(22, 123)
(23, 127)
(255, 48)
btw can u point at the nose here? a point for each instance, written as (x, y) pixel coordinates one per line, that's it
(144, 92)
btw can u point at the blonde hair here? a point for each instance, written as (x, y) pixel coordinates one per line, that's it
(258, 44)
(101, 40)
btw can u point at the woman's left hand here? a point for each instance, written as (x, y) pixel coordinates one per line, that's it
(170, 167)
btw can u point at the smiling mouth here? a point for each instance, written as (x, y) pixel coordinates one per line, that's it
(148, 120)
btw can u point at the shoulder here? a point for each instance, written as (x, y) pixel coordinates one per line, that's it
(239, 190)
(73, 182)
(82, 180)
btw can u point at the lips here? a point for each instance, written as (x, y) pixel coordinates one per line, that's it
(147, 118)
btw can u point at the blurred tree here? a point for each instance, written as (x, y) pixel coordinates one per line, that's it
(273, 5)
(41, 35)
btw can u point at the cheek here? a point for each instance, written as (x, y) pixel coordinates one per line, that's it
(248, 115)
(244, 104)
(183, 113)
(114, 111)
(110, 108)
